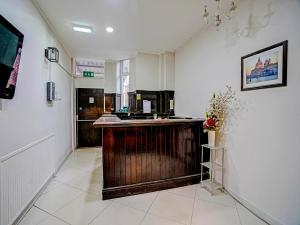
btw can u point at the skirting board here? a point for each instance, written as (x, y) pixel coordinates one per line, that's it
(38, 194)
(141, 188)
(257, 212)
(30, 203)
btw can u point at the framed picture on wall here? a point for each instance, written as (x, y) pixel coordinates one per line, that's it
(265, 68)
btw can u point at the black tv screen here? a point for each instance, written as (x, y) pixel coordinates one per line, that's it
(11, 41)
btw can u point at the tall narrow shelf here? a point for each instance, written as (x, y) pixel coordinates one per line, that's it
(212, 185)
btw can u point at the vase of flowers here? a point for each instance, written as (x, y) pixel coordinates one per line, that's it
(210, 125)
(221, 105)
(212, 138)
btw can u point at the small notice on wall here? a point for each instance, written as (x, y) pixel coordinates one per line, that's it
(171, 104)
(146, 106)
(91, 100)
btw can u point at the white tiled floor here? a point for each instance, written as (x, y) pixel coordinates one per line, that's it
(74, 197)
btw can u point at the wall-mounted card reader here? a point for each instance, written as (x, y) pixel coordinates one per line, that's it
(50, 91)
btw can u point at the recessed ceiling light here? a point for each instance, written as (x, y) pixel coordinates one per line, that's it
(82, 29)
(109, 29)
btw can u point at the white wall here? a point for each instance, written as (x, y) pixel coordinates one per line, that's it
(89, 82)
(152, 72)
(263, 143)
(110, 83)
(167, 71)
(146, 72)
(132, 74)
(30, 128)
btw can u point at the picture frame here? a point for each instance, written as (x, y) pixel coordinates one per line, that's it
(266, 68)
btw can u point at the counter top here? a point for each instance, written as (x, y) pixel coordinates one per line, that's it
(108, 120)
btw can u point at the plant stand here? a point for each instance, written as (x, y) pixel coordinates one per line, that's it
(212, 185)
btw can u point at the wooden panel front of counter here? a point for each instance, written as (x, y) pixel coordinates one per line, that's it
(142, 159)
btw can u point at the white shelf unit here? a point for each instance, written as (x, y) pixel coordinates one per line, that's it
(212, 185)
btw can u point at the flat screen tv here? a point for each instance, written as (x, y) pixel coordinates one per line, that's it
(11, 41)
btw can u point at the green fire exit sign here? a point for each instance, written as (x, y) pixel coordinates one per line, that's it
(88, 74)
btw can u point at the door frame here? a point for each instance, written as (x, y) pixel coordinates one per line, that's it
(76, 113)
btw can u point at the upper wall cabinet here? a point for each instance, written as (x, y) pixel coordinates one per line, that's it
(167, 102)
(160, 102)
(138, 98)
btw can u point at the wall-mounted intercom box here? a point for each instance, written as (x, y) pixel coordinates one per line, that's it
(50, 91)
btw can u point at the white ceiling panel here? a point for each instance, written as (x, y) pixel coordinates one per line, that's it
(151, 26)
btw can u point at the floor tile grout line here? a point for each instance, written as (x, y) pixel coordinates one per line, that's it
(59, 207)
(237, 211)
(75, 164)
(46, 192)
(218, 203)
(84, 172)
(167, 190)
(248, 210)
(193, 206)
(184, 196)
(147, 212)
(50, 214)
(69, 186)
(162, 217)
(76, 168)
(166, 218)
(83, 192)
(127, 205)
(79, 189)
(73, 199)
(101, 212)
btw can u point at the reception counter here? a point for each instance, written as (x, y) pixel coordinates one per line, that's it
(142, 156)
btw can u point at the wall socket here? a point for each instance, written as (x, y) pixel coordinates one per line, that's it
(3, 104)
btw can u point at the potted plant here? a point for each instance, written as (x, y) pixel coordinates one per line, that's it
(220, 106)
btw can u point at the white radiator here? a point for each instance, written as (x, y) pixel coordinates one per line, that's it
(23, 173)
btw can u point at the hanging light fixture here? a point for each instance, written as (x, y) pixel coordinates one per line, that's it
(232, 6)
(218, 14)
(232, 9)
(218, 20)
(205, 15)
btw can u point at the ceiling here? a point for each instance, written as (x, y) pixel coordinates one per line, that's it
(151, 26)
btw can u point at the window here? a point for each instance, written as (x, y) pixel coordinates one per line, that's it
(124, 81)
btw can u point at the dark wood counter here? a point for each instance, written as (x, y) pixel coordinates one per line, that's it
(109, 120)
(149, 155)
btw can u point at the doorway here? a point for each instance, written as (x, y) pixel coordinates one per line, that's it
(89, 107)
